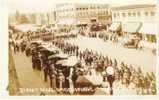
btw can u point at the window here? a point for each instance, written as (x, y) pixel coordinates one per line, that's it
(152, 13)
(106, 12)
(151, 38)
(146, 13)
(134, 14)
(129, 14)
(123, 14)
(114, 15)
(138, 13)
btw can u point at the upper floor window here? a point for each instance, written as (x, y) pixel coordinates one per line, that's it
(138, 13)
(123, 14)
(134, 14)
(152, 13)
(129, 14)
(146, 13)
(118, 14)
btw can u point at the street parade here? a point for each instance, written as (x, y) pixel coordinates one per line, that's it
(66, 66)
(83, 49)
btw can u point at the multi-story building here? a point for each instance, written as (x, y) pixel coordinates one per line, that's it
(65, 14)
(87, 12)
(12, 19)
(78, 13)
(140, 19)
(45, 18)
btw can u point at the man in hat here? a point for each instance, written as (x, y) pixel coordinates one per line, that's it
(46, 69)
(33, 59)
(61, 80)
(52, 75)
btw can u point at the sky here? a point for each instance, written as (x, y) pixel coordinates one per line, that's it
(45, 5)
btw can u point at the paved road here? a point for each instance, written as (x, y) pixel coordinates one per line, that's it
(139, 58)
(31, 81)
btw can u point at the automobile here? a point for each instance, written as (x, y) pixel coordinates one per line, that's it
(133, 43)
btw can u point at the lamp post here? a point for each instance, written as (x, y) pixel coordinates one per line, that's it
(110, 77)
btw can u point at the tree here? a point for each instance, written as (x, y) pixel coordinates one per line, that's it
(23, 19)
(17, 16)
(33, 18)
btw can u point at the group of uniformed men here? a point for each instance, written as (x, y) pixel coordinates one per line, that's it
(144, 83)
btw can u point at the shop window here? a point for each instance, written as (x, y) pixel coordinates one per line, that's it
(106, 12)
(151, 38)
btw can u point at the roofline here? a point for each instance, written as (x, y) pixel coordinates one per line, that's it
(124, 7)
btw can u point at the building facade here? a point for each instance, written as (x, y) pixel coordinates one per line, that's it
(82, 13)
(139, 18)
(45, 18)
(134, 13)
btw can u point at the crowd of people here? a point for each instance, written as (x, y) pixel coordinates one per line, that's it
(127, 75)
(144, 83)
(115, 37)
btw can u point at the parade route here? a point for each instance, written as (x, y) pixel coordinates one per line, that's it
(83, 48)
(31, 81)
(144, 59)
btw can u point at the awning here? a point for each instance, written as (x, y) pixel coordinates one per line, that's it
(114, 26)
(82, 22)
(131, 27)
(150, 28)
(71, 61)
(67, 22)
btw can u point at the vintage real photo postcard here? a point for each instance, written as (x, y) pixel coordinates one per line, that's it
(82, 47)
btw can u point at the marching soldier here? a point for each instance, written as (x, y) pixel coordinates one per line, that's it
(61, 80)
(46, 70)
(33, 59)
(38, 61)
(52, 76)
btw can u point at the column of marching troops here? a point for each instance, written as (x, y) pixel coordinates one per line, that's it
(144, 82)
(127, 74)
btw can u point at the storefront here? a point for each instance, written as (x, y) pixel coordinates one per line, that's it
(131, 27)
(129, 31)
(66, 25)
(149, 32)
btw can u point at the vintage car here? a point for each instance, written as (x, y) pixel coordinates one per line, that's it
(132, 44)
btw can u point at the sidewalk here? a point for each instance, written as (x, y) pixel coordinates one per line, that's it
(31, 81)
(13, 86)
